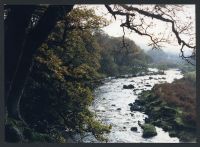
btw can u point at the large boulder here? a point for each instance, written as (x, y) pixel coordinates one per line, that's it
(148, 130)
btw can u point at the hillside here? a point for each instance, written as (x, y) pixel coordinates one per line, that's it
(120, 58)
(172, 106)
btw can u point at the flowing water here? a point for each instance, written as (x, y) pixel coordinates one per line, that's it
(111, 107)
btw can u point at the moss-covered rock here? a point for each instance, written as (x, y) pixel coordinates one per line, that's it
(172, 133)
(186, 136)
(148, 130)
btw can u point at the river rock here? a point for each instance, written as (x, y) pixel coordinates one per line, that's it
(148, 130)
(128, 86)
(139, 102)
(172, 134)
(139, 123)
(136, 108)
(150, 78)
(134, 129)
(130, 104)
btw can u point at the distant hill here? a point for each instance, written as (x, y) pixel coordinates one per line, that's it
(164, 60)
(159, 56)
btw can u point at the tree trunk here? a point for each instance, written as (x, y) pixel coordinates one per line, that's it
(15, 31)
(33, 40)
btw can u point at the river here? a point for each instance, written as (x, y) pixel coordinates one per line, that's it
(111, 107)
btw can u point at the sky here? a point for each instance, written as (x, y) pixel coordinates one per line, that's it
(114, 29)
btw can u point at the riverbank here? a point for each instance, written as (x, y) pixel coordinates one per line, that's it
(171, 107)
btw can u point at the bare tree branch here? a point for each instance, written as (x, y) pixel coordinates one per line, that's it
(159, 12)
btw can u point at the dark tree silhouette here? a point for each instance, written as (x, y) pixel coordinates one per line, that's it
(22, 38)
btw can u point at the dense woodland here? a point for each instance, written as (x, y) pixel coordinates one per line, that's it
(66, 67)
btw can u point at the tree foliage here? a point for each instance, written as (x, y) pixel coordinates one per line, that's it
(116, 59)
(58, 85)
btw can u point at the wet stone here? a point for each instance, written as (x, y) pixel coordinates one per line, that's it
(128, 86)
(130, 104)
(134, 129)
(136, 108)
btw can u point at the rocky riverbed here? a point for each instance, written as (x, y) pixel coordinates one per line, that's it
(112, 106)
